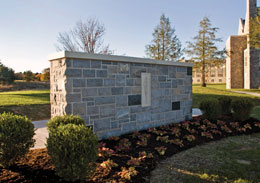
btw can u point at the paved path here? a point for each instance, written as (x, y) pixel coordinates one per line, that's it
(248, 93)
(196, 112)
(41, 133)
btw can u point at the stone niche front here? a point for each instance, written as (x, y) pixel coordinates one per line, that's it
(117, 94)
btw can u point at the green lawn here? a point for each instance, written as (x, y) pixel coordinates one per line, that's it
(231, 160)
(35, 104)
(24, 97)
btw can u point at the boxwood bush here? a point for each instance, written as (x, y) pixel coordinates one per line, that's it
(16, 138)
(73, 151)
(210, 109)
(242, 109)
(55, 122)
(225, 105)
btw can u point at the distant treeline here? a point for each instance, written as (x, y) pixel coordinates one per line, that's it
(7, 75)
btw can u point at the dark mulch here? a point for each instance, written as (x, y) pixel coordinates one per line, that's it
(37, 167)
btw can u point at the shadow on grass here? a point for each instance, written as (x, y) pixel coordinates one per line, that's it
(33, 112)
(32, 95)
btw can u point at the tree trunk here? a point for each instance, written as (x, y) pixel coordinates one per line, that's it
(203, 76)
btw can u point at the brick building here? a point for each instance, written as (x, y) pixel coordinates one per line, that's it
(214, 74)
(243, 62)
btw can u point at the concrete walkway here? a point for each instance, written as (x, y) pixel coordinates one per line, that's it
(248, 93)
(196, 112)
(41, 133)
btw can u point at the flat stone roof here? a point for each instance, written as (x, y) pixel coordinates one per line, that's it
(91, 56)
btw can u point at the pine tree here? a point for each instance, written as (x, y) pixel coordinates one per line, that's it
(203, 49)
(165, 44)
(6, 74)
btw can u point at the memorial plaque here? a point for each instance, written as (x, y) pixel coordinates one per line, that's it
(176, 106)
(134, 100)
(146, 89)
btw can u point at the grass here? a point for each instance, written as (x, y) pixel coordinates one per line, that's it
(235, 159)
(35, 104)
(30, 97)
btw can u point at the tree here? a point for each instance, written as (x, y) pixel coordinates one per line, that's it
(18, 76)
(85, 36)
(45, 76)
(6, 74)
(28, 76)
(38, 76)
(254, 32)
(203, 49)
(165, 44)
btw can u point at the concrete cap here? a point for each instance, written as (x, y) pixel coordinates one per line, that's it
(91, 56)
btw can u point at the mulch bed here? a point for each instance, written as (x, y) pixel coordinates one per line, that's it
(132, 157)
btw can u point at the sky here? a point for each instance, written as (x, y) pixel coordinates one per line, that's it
(29, 28)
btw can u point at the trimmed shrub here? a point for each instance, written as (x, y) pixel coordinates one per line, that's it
(210, 109)
(16, 138)
(73, 151)
(55, 122)
(225, 104)
(242, 109)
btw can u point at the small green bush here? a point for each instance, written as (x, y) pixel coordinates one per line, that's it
(73, 151)
(210, 109)
(55, 122)
(242, 109)
(16, 138)
(225, 104)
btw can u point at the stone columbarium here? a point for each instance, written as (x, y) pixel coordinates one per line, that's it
(117, 94)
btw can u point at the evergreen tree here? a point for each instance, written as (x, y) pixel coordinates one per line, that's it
(6, 74)
(165, 44)
(203, 49)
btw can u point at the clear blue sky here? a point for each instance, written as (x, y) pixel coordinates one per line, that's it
(29, 28)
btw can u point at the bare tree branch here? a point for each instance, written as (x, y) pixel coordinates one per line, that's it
(85, 36)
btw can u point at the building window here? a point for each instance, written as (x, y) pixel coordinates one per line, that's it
(212, 72)
(212, 81)
(198, 80)
(197, 73)
(220, 80)
(220, 72)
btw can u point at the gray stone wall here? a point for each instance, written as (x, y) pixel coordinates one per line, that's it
(107, 94)
(254, 68)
